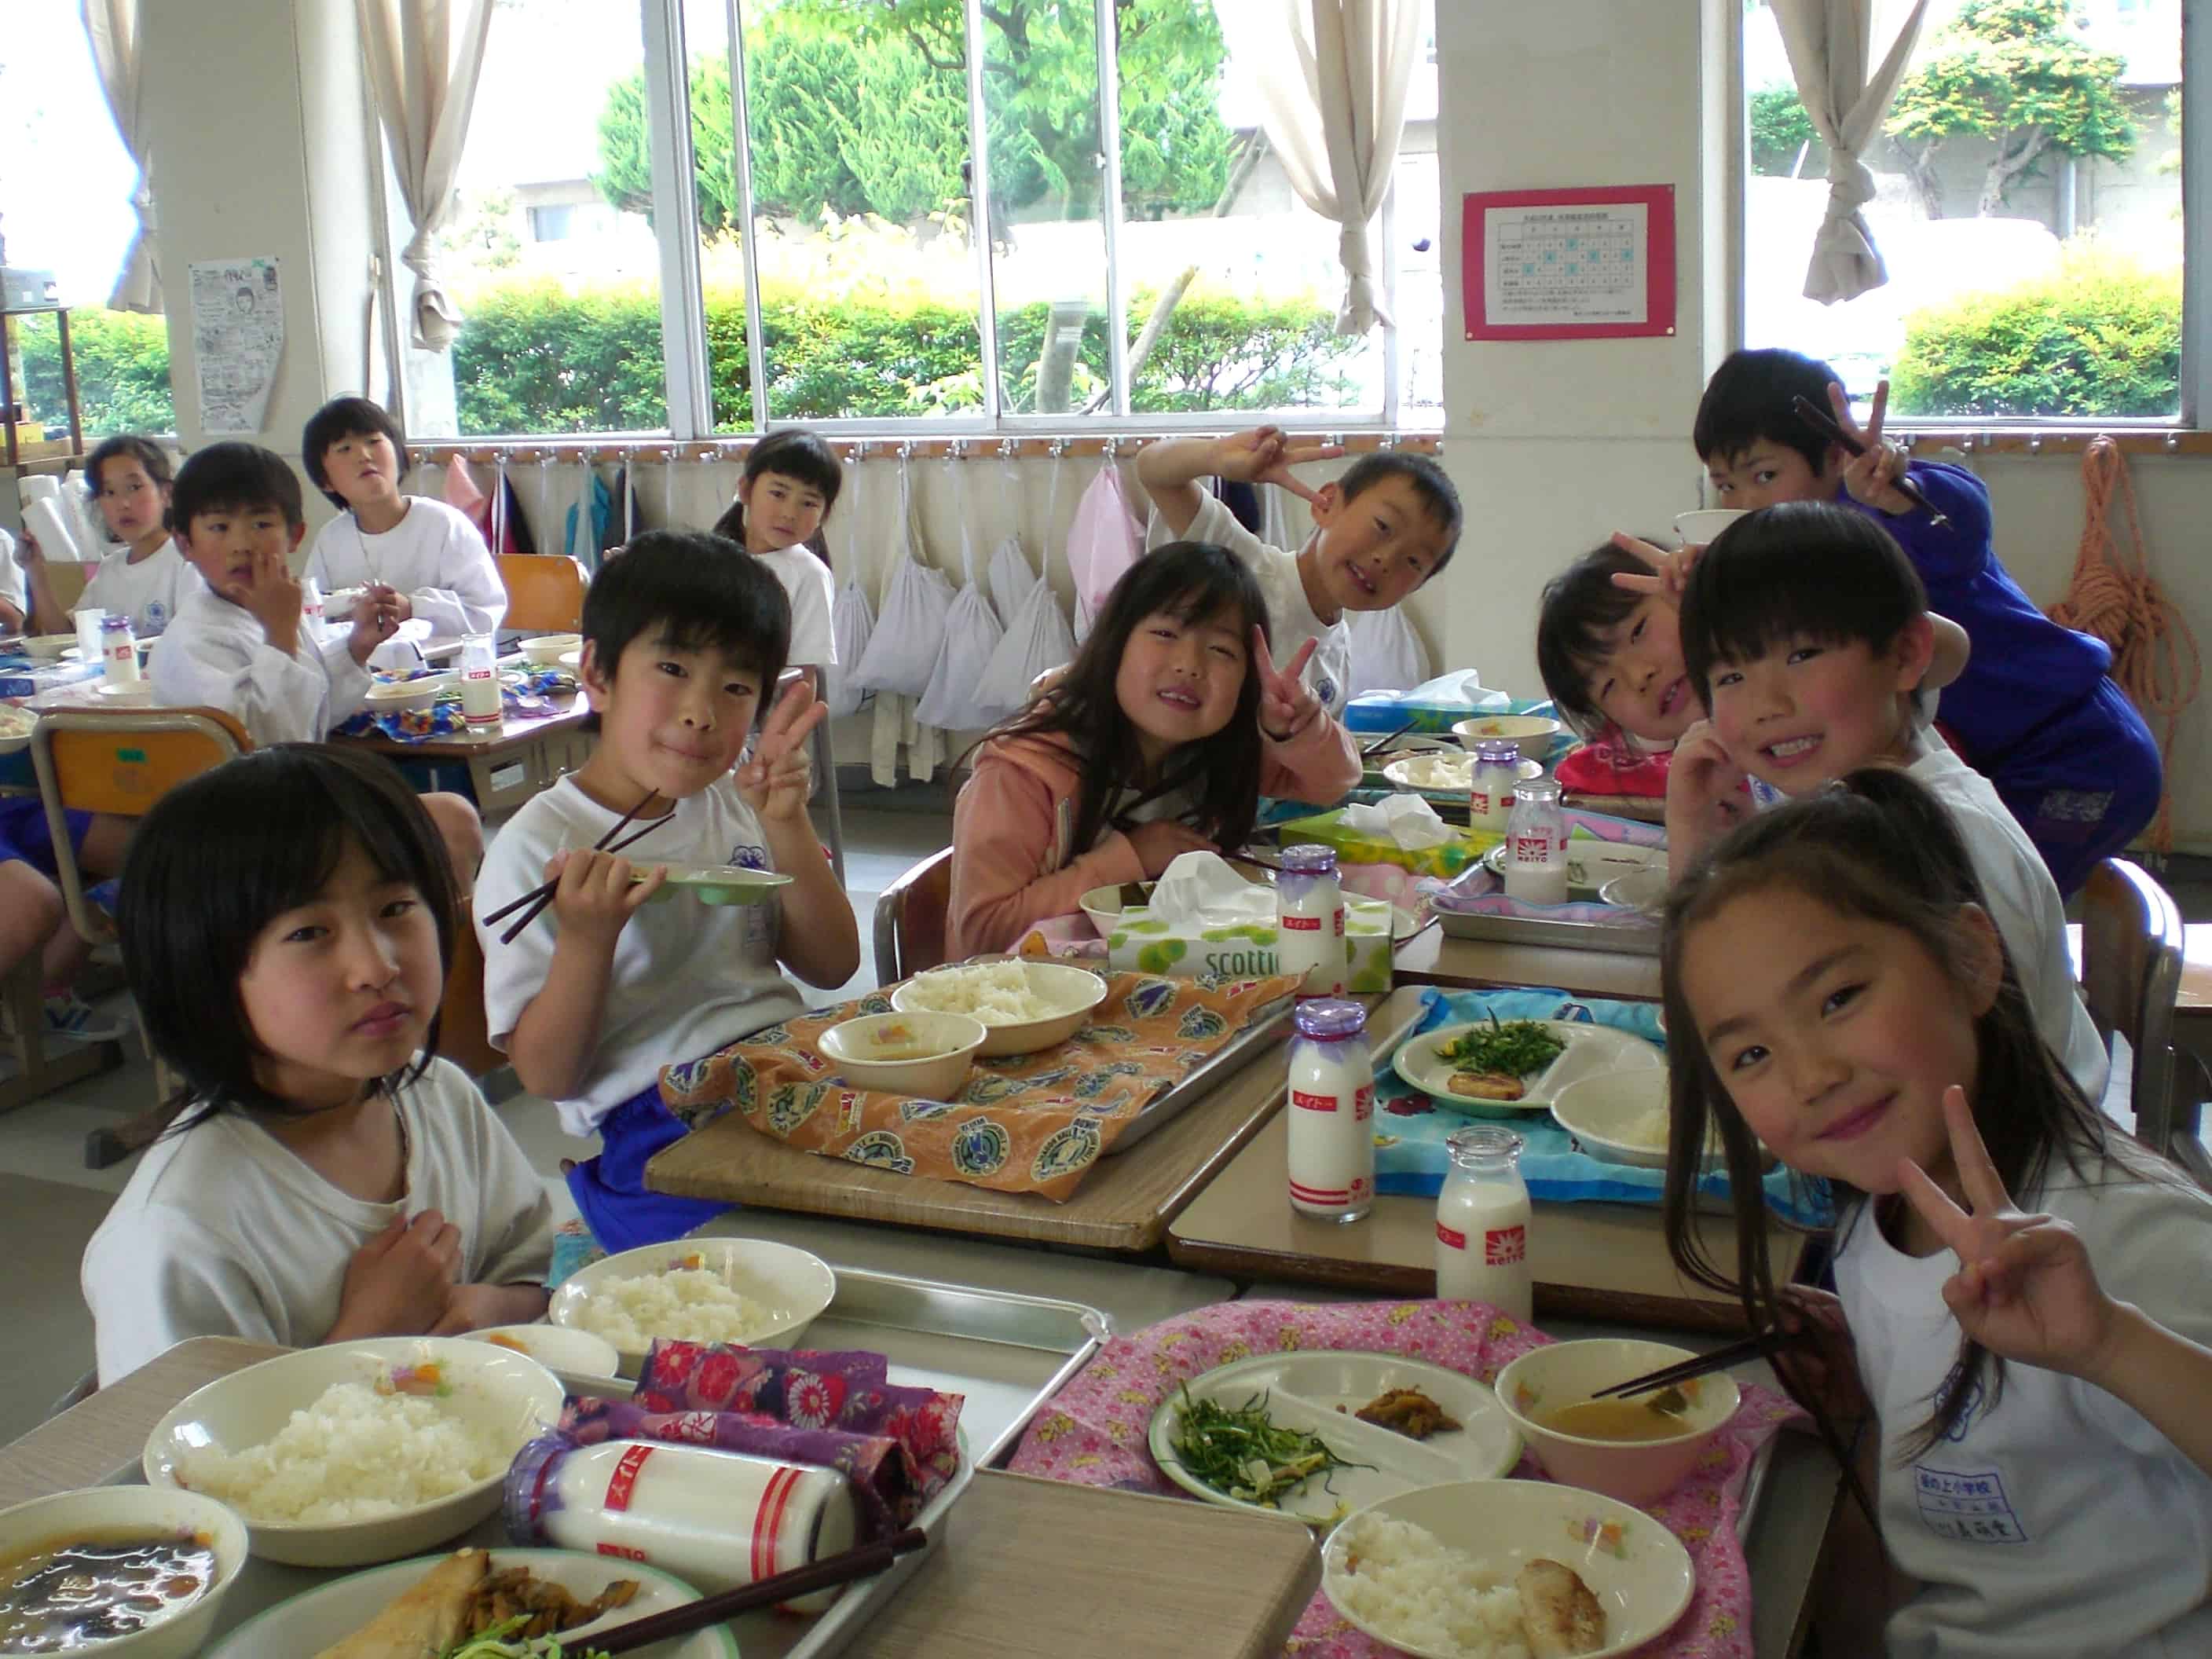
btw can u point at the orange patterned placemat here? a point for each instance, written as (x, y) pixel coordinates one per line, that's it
(1026, 1123)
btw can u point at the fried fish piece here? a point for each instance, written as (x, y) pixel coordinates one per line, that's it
(1407, 1412)
(1560, 1615)
(1487, 1085)
(427, 1619)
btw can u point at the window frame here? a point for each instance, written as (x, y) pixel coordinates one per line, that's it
(685, 362)
(2028, 435)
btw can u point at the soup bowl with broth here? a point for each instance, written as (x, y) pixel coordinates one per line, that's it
(1623, 1447)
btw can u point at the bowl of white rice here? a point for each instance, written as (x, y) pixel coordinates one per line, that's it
(748, 1292)
(1431, 1572)
(1622, 1117)
(1024, 1006)
(357, 1452)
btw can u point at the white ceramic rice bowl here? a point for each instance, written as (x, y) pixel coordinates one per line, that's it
(950, 1042)
(796, 1286)
(1074, 991)
(1532, 733)
(507, 1392)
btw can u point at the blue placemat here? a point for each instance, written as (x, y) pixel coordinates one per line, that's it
(1410, 1130)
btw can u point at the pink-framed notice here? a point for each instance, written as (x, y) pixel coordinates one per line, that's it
(1593, 262)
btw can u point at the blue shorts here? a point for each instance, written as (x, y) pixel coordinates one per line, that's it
(25, 834)
(611, 1191)
(2083, 786)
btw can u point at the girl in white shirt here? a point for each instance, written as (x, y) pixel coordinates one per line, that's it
(286, 921)
(791, 482)
(427, 552)
(128, 478)
(1836, 988)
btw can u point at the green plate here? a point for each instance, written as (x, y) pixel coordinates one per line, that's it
(717, 884)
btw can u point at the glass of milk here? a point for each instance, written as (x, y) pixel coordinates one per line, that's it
(1482, 1223)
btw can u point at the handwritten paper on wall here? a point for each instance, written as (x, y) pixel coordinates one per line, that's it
(237, 337)
(1587, 263)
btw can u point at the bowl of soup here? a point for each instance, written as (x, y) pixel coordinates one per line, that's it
(926, 1056)
(1532, 734)
(120, 1572)
(1636, 1449)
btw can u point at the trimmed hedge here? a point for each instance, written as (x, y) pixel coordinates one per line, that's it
(2101, 336)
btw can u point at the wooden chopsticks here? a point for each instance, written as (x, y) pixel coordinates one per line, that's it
(1752, 1347)
(538, 897)
(827, 1573)
(1825, 423)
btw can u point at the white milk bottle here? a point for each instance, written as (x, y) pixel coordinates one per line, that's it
(118, 651)
(1536, 845)
(1332, 1135)
(1309, 920)
(1482, 1223)
(1497, 774)
(716, 1519)
(480, 706)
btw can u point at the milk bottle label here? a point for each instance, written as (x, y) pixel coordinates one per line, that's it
(1302, 924)
(1450, 1236)
(1362, 1104)
(1531, 849)
(1311, 1102)
(1502, 1247)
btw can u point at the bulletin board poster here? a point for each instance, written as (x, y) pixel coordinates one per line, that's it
(237, 337)
(1589, 263)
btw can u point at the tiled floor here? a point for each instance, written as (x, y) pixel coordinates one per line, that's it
(50, 1203)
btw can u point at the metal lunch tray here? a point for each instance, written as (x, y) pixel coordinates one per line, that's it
(1635, 938)
(1006, 1353)
(1264, 1031)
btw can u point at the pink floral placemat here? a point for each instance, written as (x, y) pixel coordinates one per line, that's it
(1093, 1433)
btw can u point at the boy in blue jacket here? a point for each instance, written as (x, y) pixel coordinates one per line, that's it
(2036, 710)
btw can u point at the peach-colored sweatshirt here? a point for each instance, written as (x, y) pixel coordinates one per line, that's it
(1012, 861)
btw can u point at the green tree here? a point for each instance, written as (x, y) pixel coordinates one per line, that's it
(1779, 130)
(2019, 74)
(796, 80)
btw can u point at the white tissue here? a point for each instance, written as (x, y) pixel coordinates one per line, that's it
(42, 517)
(1203, 890)
(1407, 821)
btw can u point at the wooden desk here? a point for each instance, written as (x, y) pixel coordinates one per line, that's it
(1464, 964)
(1591, 1261)
(1116, 1573)
(528, 753)
(1124, 1206)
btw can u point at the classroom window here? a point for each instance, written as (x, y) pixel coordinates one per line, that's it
(68, 210)
(854, 262)
(2028, 210)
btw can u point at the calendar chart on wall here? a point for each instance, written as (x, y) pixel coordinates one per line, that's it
(1569, 264)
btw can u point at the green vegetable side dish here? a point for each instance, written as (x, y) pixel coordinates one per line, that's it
(1242, 1452)
(501, 1643)
(1515, 1049)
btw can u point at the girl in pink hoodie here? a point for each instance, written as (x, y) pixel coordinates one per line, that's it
(1160, 740)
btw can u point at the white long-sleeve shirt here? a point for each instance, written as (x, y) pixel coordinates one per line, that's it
(433, 555)
(214, 655)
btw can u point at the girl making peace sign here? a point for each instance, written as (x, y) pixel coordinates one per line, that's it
(683, 644)
(1160, 739)
(1879, 1043)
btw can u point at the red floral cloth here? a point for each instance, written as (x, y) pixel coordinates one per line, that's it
(1605, 769)
(1093, 1433)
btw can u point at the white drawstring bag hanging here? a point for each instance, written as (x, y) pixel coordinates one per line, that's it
(1037, 638)
(851, 617)
(1387, 655)
(972, 632)
(910, 627)
(1010, 567)
(1102, 543)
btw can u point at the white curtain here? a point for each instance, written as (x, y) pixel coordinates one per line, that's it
(112, 27)
(423, 59)
(1831, 43)
(1332, 76)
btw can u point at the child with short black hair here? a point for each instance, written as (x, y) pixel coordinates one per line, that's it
(128, 478)
(1380, 531)
(2036, 708)
(1805, 631)
(427, 553)
(683, 642)
(240, 642)
(791, 483)
(287, 922)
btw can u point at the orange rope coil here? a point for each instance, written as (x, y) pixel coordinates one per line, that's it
(2154, 658)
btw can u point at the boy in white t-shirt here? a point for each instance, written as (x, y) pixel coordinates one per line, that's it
(427, 552)
(1390, 523)
(791, 482)
(683, 643)
(146, 578)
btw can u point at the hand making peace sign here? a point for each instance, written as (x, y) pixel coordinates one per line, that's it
(1872, 476)
(1286, 708)
(1265, 455)
(1670, 572)
(776, 778)
(2025, 1289)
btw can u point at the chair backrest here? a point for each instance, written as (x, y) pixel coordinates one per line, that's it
(2131, 956)
(120, 761)
(463, 1033)
(545, 590)
(910, 918)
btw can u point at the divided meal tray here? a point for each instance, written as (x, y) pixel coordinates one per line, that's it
(1007, 1354)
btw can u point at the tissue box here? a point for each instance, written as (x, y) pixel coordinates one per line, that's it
(1446, 860)
(1140, 944)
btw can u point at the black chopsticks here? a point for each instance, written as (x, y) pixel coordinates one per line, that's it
(1752, 1347)
(1825, 423)
(1380, 744)
(538, 897)
(828, 1573)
